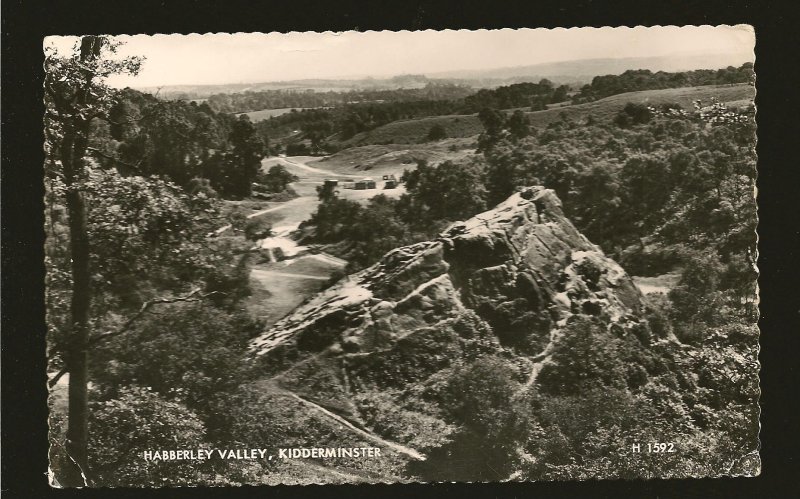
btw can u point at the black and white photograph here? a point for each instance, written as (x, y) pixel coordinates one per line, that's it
(354, 257)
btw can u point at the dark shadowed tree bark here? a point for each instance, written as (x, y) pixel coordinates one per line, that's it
(75, 95)
(73, 149)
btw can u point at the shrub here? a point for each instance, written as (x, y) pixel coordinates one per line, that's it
(437, 132)
(191, 353)
(257, 228)
(633, 114)
(479, 396)
(138, 419)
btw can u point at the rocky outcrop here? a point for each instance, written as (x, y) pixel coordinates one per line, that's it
(521, 266)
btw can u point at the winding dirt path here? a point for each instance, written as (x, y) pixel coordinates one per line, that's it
(355, 429)
(282, 206)
(266, 274)
(320, 171)
(538, 362)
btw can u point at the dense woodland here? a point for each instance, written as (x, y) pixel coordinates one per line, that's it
(276, 99)
(134, 188)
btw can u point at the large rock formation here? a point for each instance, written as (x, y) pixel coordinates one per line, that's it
(522, 267)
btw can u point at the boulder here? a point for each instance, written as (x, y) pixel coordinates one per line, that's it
(521, 266)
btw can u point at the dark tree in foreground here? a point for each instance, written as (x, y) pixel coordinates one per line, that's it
(75, 96)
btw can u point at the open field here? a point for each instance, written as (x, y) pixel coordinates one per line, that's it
(312, 172)
(265, 114)
(415, 131)
(278, 287)
(377, 160)
(605, 109)
(658, 284)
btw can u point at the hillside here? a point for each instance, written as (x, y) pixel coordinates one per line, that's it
(382, 348)
(265, 114)
(415, 131)
(388, 159)
(585, 69)
(561, 72)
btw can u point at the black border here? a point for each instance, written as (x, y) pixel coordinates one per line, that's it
(25, 22)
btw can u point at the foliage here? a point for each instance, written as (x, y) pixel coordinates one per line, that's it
(182, 141)
(137, 420)
(531, 95)
(243, 162)
(497, 126)
(437, 132)
(257, 228)
(148, 237)
(298, 149)
(322, 127)
(633, 114)
(644, 79)
(448, 191)
(480, 396)
(385, 415)
(675, 181)
(586, 355)
(277, 178)
(277, 99)
(189, 353)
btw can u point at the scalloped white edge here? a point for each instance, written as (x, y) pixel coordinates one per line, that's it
(743, 26)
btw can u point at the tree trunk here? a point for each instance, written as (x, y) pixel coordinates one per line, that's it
(76, 358)
(73, 149)
(76, 355)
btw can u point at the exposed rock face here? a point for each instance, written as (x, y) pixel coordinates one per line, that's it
(522, 267)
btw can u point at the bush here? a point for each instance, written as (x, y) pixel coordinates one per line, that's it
(437, 132)
(277, 179)
(237, 219)
(138, 419)
(297, 149)
(191, 353)
(585, 355)
(257, 228)
(633, 114)
(479, 396)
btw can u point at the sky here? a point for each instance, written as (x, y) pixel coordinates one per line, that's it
(256, 57)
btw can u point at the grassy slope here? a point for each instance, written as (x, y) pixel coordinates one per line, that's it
(414, 131)
(266, 114)
(380, 159)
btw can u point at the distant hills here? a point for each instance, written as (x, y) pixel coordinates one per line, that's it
(586, 69)
(562, 72)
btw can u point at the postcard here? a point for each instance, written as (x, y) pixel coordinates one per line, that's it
(393, 257)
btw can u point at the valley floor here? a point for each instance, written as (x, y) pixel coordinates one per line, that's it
(279, 286)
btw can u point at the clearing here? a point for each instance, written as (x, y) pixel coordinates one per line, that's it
(392, 159)
(658, 284)
(265, 114)
(280, 286)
